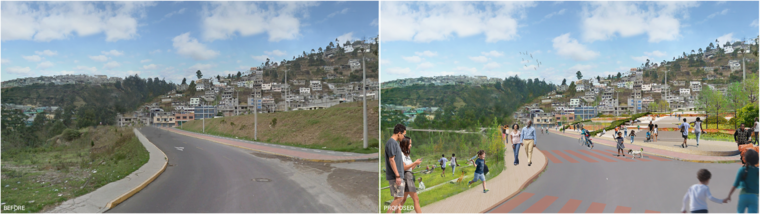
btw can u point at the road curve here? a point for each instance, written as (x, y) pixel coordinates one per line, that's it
(581, 180)
(203, 176)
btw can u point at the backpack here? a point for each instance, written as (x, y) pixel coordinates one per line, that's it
(441, 162)
(682, 128)
(485, 168)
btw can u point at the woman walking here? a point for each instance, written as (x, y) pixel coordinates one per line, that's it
(516, 142)
(747, 179)
(698, 129)
(410, 189)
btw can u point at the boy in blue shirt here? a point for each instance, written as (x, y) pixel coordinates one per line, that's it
(480, 164)
(443, 161)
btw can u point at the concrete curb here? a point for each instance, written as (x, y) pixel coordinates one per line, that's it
(674, 158)
(524, 185)
(145, 183)
(284, 155)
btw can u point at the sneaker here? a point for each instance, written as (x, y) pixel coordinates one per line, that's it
(623, 155)
(485, 191)
(529, 164)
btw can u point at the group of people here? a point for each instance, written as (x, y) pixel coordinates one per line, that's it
(521, 137)
(742, 135)
(443, 162)
(746, 179)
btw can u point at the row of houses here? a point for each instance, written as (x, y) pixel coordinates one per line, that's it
(61, 80)
(442, 80)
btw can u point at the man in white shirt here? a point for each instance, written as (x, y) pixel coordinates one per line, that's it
(757, 129)
(685, 132)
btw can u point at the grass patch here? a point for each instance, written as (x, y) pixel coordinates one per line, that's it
(338, 128)
(717, 137)
(40, 178)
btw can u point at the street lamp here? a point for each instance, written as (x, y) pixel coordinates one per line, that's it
(364, 104)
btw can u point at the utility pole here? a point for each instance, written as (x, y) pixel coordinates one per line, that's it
(255, 119)
(744, 68)
(364, 105)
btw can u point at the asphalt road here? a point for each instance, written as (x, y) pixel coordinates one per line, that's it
(590, 183)
(203, 176)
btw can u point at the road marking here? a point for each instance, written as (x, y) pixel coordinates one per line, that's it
(660, 159)
(570, 206)
(598, 156)
(199, 148)
(513, 203)
(566, 157)
(181, 149)
(551, 157)
(581, 156)
(650, 211)
(303, 149)
(541, 205)
(596, 208)
(613, 155)
(622, 209)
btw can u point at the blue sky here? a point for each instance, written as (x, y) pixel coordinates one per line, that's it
(170, 40)
(597, 38)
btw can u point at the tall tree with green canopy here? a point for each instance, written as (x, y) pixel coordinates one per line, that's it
(579, 75)
(711, 101)
(736, 98)
(199, 74)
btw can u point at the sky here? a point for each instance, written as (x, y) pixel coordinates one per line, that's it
(170, 40)
(597, 38)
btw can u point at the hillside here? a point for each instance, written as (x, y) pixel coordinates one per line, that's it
(311, 67)
(338, 128)
(465, 106)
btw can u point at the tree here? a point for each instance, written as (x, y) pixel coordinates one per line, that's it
(218, 78)
(564, 81)
(320, 49)
(239, 74)
(750, 86)
(579, 75)
(619, 75)
(700, 50)
(331, 45)
(184, 81)
(312, 50)
(736, 98)
(199, 74)
(191, 88)
(267, 62)
(598, 79)
(711, 101)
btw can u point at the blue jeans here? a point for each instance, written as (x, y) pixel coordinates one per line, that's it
(631, 138)
(748, 202)
(517, 152)
(698, 134)
(478, 176)
(625, 133)
(453, 168)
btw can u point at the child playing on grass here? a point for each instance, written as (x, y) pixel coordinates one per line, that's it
(633, 133)
(620, 145)
(480, 164)
(698, 193)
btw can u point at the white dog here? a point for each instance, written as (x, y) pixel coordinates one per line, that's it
(638, 152)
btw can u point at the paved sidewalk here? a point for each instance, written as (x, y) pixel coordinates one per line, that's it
(111, 194)
(503, 187)
(315, 155)
(671, 141)
(678, 153)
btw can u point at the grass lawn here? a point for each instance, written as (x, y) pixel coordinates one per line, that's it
(447, 189)
(39, 178)
(717, 137)
(338, 128)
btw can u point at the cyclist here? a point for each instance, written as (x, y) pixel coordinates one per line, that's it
(585, 135)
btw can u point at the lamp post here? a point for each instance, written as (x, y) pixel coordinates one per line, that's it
(364, 104)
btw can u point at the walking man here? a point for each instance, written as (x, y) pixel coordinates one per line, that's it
(741, 136)
(757, 129)
(685, 132)
(393, 165)
(528, 137)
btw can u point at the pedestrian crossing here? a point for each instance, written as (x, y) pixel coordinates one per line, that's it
(568, 205)
(595, 156)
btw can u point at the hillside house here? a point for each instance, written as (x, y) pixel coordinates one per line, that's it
(355, 64)
(684, 91)
(696, 86)
(316, 85)
(646, 87)
(304, 91)
(195, 101)
(735, 65)
(575, 102)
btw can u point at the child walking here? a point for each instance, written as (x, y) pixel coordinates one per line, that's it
(633, 133)
(480, 164)
(620, 145)
(698, 194)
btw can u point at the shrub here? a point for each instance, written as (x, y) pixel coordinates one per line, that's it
(274, 122)
(714, 119)
(70, 134)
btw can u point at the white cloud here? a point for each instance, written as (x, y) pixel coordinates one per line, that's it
(76, 61)
(155, 51)
(659, 20)
(201, 67)
(641, 59)
(560, 12)
(492, 53)
(190, 47)
(479, 58)
(150, 67)
(385, 62)
(726, 38)
(99, 58)
(491, 66)
(47, 21)
(569, 47)
(754, 23)
(373, 23)
(426, 53)
(222, 20)
(5, 61)
(112, 53)
(466, 69)
(346, 37)
(655, 53)
(145, 60)
(275, 52)
(414, 59)
(32, 58)
(344, 11)
(425, 66)
(19, 70)
(111, 64)
(85, 68)
(262, 58)
(180, 11)
(436, 21)
(399, 71)
(46, 53)
(130, 73)
(586, 70)
(713, 15)
(45, 65)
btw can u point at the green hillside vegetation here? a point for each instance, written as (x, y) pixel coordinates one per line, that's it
(68, 165)
(338, 128)
(464, 106)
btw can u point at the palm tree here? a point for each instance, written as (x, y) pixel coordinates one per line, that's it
(320, 49)
(700, 50)
(312, 50)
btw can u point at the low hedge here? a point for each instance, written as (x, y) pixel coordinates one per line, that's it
(619, 122)
(573, 123)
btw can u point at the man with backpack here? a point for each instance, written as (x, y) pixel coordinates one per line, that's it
(442, 162)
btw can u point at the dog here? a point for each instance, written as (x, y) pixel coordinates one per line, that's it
(634, 153)
(459, 180)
